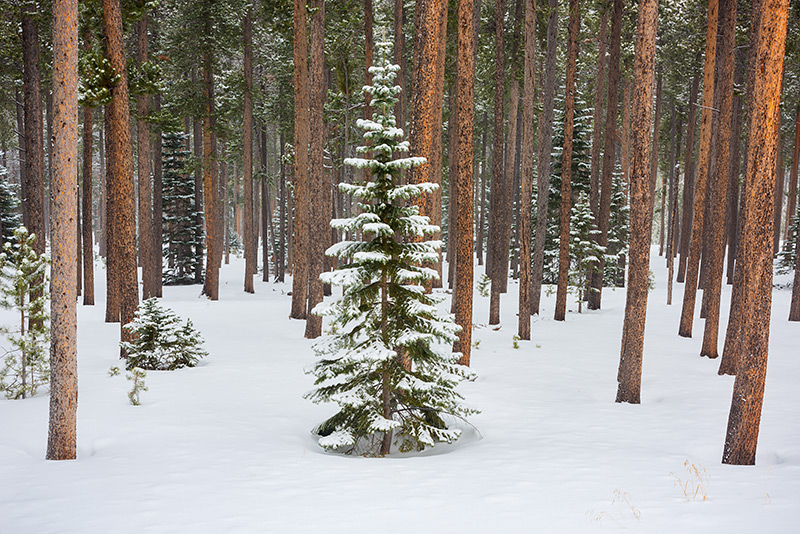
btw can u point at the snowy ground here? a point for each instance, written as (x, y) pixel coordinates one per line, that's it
(225, 447)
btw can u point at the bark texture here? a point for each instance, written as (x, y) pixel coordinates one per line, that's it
(688, 180)
(247, 155)
(566, 163)
(629, 377)
(756, 265)
(86, 215)
(62, 434)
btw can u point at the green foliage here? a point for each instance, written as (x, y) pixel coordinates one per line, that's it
(10, 217)
(387, 362)
(584, 252)
(484, 285)
(159, 340)
(23, 273)
(181, 233)
(618, 232)
(788, 253)
(136, 376)
(97, 78)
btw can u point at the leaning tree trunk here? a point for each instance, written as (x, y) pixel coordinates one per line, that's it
(756, 265)
(566, 163)
(629, 376)
(120, 170)
(62, 437)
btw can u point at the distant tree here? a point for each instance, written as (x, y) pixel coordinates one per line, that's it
(10, 218)
(182, 249)
(384, 316)
(583, 248)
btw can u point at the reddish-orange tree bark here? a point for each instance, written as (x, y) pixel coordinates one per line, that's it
(62, 437)
(757, 226)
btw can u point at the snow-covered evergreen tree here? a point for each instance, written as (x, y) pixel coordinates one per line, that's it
(159, 340)
(583, 249)
(787, 255)
(387, 359)
(10, 216)
(23, 272)
(618, 231)
(181, 233)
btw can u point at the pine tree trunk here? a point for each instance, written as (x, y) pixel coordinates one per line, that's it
(197, 138)
(400, 59)
(654, 155)
(526, 180)
(566, 163)
(301, 177)
(756, 265)
(33, 184)
(112, 272)
(430, 16)
(482, 192)
(465, 107)
(688, 181)
(262, 142)
(319, 211)
(700, 186)
(731, 221)
(210, 181)
(88, 249)
(780, 179)
(676, 130)
(62, 436)
(597, 119)
(719, 190)
(147, 249)
(630, 364)
(498, 187)
(158, 201)
(247, 155)
(794, 307)
(369, 49)
(791, 203)
(282, 225)
(436, 167)
(595, 293)
(545, 149)
(120, 170)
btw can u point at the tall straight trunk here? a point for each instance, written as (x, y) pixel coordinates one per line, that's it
(780, 181)
(112, 272)
(265, 215)
(197, 141)
(526, 180)
(545, 149)
(86, 215)
(33, 184)
(629, 377)
(369, 52)
(48, 149)
(465, 107)
(452, 208)
(498, 187)
(676, 131)
(78, 248)
(756, 265)
(62, 435)
(597, 119)
(595, 292)
(20, 114)
(791, 201)
(482, 192)
(223, 204)
(319, 212)
(507, 202)
(120, 171)
(566, 162)
(654, 151)
(794, 307)
(436, 167)
(282, 211)
(147, 248)
(424, 128)
(301, 171)
(719, 189)
(210, 181)
(688, 181)
(400, 59)
(736, 318)
(693, 259)
(732, 218)
(247, 155)
(158, 200)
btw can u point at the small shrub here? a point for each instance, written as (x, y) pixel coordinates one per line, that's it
(160, 342)
(515, 341)
(484, 285)
(137, 376)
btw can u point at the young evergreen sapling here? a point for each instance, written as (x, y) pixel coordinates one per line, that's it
(388, 364)
(23, 272)
(159, 341)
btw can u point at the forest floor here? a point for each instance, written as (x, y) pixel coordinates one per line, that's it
(226, 446)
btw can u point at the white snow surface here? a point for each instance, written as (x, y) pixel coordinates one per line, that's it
(226, 447)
